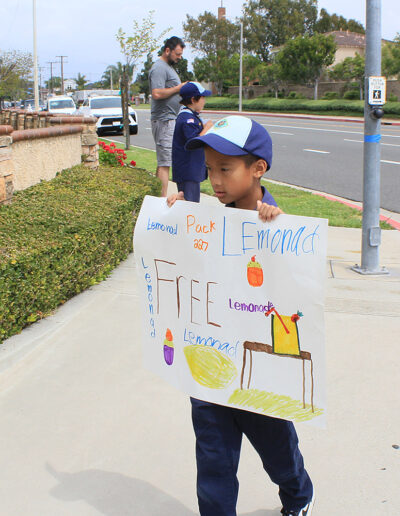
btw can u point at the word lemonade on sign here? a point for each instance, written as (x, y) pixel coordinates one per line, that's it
(226, 298)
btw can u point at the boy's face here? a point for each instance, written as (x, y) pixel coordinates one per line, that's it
(232, 180)
(198, 105)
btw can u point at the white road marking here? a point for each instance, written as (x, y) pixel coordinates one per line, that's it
(318, 151)
(391, 162)
(325, 130)
(277, 132)
(387, 144)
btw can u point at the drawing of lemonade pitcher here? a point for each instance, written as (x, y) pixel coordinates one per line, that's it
(284, 333)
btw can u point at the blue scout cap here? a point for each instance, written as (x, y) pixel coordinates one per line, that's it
(236, 136)
(193, 89)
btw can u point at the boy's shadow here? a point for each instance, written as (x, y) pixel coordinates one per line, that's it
(114, 494)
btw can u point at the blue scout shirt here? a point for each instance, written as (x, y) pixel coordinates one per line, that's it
(187, 165)
(267, 198)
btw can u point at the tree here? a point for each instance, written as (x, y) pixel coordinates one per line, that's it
(15, 70)
(331, 22)
(81, 81)
(351, 69)
(270, 23)
(391, 58)
(133, 48)
(303, 59)
(113, 74)
(53, 82)
(207, 35)
(142, 79)
(182, 70)
(215, 68)
(271, 75)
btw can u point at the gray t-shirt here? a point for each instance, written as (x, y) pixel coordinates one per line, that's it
(162, 75)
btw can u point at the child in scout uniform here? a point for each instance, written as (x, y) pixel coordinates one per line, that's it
(188, 168)
(238, 152)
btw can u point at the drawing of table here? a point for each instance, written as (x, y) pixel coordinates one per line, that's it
(266, 348)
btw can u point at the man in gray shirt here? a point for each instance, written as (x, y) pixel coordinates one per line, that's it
(164, 86)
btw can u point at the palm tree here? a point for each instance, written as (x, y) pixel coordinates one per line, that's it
(114, 72)
(81, 81)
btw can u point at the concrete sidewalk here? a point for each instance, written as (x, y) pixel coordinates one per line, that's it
(85, 430)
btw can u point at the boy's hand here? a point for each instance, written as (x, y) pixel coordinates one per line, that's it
(175, 197)
(206, 127)
(267, 212)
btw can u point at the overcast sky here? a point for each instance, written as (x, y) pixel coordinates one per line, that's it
(84, 30)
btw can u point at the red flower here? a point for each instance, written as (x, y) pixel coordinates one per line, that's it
(133, 163)
(112, 145)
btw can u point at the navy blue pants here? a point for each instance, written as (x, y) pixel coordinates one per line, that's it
(219, 433)
(191, 189)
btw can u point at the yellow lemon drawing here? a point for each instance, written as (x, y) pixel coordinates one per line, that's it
(209, 367)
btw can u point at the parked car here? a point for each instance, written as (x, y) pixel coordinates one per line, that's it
(28, 104)
(61, 105)
(108, 111)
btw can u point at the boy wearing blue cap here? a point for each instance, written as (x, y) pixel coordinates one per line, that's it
(238, 151)
(188, 168)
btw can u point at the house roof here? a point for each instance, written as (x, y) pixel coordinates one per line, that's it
(345, 38)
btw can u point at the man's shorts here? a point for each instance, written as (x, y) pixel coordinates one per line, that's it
(163, 132)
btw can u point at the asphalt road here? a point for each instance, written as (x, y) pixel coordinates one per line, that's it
(318, 154)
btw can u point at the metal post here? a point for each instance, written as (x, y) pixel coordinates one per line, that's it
(371, 232)
(241, 68)
(35, 61)
(51, 75)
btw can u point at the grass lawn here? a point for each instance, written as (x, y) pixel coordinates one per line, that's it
(291, 200)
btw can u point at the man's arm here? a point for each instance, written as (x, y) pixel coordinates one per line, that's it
(165, 93)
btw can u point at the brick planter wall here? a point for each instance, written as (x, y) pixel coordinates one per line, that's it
(35, 146)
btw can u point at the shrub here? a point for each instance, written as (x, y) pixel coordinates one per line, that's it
(61, 236)
(329, 95)
(392, 98)
(295, 95)
(340, 106)
(351, 95)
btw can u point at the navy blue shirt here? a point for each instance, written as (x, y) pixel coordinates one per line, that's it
(267, 198)
(187, 165)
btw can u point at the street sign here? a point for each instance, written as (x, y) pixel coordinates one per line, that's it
(376, 91)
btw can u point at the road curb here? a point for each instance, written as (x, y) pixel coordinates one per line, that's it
(388, 220)
(299, 116)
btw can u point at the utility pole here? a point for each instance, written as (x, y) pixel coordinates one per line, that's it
(51, 74)
(62, 73)
(35, 60)
(241, 68)
(375, 92)
(40, 83)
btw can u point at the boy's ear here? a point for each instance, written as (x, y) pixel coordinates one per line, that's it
(260, 167)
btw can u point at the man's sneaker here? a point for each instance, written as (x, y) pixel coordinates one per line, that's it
(305, 511)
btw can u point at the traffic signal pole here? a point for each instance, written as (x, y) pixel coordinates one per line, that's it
(371, 232)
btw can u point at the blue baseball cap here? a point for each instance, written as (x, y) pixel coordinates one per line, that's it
(236, 136)
(193, 89)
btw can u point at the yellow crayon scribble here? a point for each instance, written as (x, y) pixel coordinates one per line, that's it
(209, 367)
(273, 404)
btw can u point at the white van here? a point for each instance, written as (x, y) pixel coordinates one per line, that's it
(61, 105)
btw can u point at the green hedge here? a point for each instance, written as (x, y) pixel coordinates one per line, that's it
(299, 105)
(61, 236)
